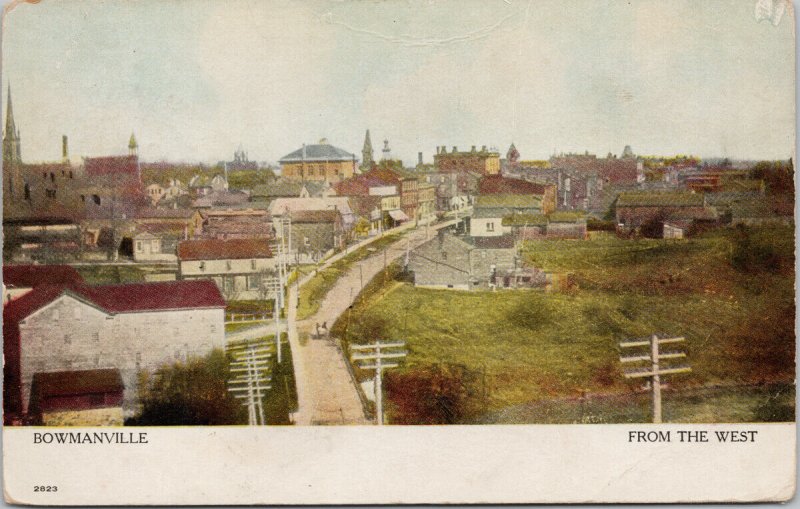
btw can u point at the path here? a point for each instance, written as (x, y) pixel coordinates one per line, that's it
(326, 391)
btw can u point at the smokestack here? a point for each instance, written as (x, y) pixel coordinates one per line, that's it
(419, 158)
(64, 148)
(455, 149)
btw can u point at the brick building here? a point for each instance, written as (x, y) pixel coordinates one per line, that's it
(483, 161)
(322, 161)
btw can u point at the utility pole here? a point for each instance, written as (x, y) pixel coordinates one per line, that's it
(251, 362)
(275, 287)
(376, 352)
(649, 362)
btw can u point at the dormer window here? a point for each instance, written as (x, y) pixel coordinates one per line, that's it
(202, 265)
(228, 265)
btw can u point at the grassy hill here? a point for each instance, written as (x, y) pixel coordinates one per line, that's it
(730, 293)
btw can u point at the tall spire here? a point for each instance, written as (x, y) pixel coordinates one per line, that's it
(366, 152)
(12, 151)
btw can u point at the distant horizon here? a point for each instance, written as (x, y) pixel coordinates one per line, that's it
(195, 79)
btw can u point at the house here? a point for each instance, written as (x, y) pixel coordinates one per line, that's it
(281, 207)
(490, 209)
(21, 279)
(130, 327)
(249, 223)
(90, 397)
(483, 161)
(237, 266)
(154, 193)
(221, 198)
(157, 242)
(461, 263)
(286, 188)
(637, 209)
(500, 185)
(192, 220)
(427, 201)
(320, 162)
(315, 233)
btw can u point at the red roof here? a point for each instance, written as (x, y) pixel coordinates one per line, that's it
(217, 249)
(498, 184)
(125, 298)
(114, 165)
(29, 276)
(70, 383)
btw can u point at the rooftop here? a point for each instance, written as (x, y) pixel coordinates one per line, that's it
(217, 249)
(498, 184)
(29, 276)
(320, 152)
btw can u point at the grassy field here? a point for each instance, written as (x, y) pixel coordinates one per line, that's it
(312, 293)
(733, 300)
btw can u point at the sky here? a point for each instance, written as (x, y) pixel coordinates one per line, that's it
(194, 79)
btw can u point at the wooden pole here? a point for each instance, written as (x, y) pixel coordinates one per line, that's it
(656, 380)
(378, 385)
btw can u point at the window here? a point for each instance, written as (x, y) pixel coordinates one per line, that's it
(252, 265)
(444, 255)
(490, 227)
(70, 173)
(139, 245)
(52, 177)
(253, 282)
(202, 265)
(27, 192)
(213, 329)
(306, 241)
(50, 193)
(96, 199)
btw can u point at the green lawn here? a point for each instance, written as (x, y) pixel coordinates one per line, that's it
(111, 274)
(531, 346)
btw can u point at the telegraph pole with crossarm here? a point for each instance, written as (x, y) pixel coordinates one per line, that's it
(251, 383)
(377, 353)
(650, 364)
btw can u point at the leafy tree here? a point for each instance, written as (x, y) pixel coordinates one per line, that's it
(191, 393)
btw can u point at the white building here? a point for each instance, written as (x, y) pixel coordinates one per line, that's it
(130, 327)
(238, 266)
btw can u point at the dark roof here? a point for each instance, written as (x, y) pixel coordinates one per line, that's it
(217, 249)
(114, 165)
(282, 188)
(74, 383)
(29, 276)
(322, 152)
(501, 242)
(498, 184)
(655, 199)
(511, 201)
(314, 216)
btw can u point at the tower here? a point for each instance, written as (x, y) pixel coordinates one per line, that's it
(12, 153)
(512, 156)
(366, 153)
(387, 152)
(133, 147)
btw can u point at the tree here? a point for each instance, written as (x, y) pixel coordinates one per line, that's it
(191, 393)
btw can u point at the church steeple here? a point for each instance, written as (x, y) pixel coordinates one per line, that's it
(12, 152)
(366, 153)
(133, 147)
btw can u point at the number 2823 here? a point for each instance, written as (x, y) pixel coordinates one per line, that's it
(45, 488)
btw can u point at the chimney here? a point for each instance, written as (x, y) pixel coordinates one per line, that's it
(473, 148)
(455, 149)
(64, 148)
(419, 158)
(483, 148)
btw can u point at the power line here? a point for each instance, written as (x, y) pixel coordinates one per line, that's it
(376, 353)
(653, 356)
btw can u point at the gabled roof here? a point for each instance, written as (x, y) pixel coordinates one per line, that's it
(321, 152)
(278, 188)
(281, 206)
(217, 249)
(314, 216)
(75, 383)
(29, 276)
(669, 199)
